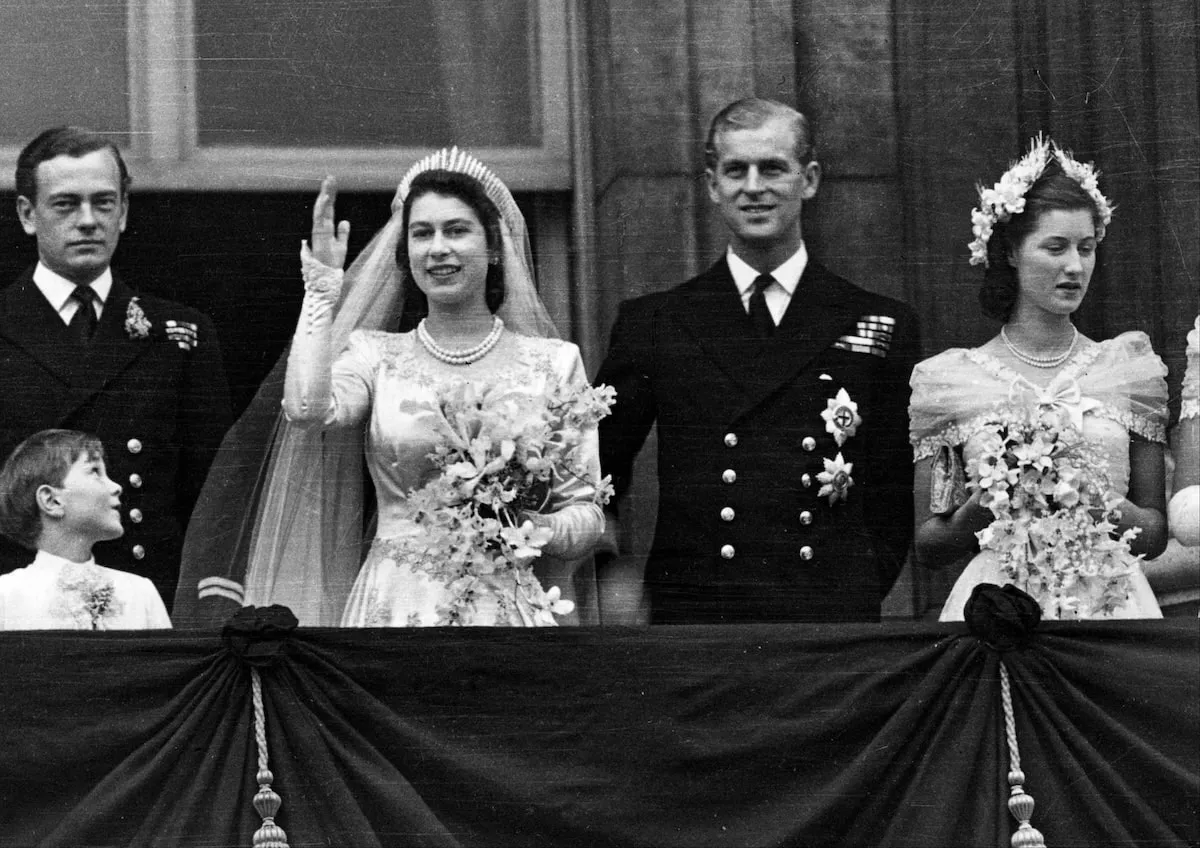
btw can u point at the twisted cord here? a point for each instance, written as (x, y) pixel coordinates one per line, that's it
(260, 719)
(266, 800)
(1020, 804)
(1010, 721)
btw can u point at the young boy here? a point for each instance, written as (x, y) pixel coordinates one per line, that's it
(56, 498)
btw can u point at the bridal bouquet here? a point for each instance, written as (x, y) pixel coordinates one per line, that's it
(500, 454)
(1055, 514)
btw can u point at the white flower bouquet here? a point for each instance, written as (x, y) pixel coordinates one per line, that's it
(501, 453)
(1054, 516)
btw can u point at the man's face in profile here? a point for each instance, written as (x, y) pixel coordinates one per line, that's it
(78, 215)
(759, 184)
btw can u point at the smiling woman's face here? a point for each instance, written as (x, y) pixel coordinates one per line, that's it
(447, 250)
(1054, 263)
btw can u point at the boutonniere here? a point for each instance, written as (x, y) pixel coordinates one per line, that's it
(137, 325)
(835, 480)
(841, 417)
(87, 597)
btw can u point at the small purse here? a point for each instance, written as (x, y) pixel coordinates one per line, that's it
(948, 483)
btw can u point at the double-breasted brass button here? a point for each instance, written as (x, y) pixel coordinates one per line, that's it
(809, 443)
(729, 475)
(135, 480)
(806, 553)
(806, 517)
(727, 513)
(727, 552)
(806, 481)
(731, 440)
(139, 552)
(134, 446)
(135, 515)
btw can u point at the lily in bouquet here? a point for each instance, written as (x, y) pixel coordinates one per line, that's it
(501, 454)
(1054, 515)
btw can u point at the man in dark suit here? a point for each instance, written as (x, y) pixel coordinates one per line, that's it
(780, 392)
(79, 349)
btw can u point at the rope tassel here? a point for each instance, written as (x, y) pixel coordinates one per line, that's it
(1020, 804)
(266, 800)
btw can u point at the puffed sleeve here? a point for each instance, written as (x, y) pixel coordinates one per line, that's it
(944, 395)
(1129, 379)
(943, 387)
(1190, 407)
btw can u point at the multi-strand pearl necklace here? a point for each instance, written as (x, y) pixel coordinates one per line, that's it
(461, 357)
(1039, 361)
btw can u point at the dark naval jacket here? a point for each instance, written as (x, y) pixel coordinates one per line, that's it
(769, 510)
(157, 401)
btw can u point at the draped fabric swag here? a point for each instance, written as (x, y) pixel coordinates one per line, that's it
(687, 736)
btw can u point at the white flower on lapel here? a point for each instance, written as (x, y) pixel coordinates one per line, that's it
(835, 479)
(841, 417)
(86, 596)
(137, 325)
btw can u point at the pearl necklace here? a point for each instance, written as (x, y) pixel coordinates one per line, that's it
(461, 357)
(1039, 361)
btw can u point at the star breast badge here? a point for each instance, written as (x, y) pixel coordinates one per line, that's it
(835, 480)
(841, 417)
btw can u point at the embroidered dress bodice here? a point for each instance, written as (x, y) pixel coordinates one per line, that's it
(1107, 390)
(389, 384)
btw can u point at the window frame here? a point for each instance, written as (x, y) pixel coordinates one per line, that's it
(163, 144)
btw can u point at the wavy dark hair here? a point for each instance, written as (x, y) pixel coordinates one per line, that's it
(62, 141)
(471, 192)
(751, 113)
(1052, 190)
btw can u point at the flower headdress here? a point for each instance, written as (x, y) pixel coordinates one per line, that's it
(1007, 197)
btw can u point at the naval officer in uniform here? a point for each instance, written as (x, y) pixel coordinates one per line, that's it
(780, 391)
(79, 349)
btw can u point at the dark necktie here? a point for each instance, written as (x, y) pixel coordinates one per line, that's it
(83, 322)
(760, 315)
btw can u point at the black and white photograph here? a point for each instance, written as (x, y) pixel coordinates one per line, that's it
(688, 424)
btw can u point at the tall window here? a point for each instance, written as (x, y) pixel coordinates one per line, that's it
(220, 94)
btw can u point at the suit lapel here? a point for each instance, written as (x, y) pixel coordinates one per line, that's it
(111, 350)
(30, 323)
(710, 310)
(823, 308)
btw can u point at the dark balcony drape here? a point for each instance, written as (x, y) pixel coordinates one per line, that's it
(887, 735)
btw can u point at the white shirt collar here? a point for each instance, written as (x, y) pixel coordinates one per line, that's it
(57, 288)
(786, 275)
(45, 559)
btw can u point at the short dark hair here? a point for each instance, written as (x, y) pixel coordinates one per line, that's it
(62, 141)
(44, 459)
(471, 192)
(1052, 190)
(750, 113)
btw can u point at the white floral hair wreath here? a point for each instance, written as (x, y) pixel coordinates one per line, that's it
(1007, 197)
(453, 159)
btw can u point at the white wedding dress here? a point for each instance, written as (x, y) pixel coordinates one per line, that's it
(1108, 390)
(388, 383)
